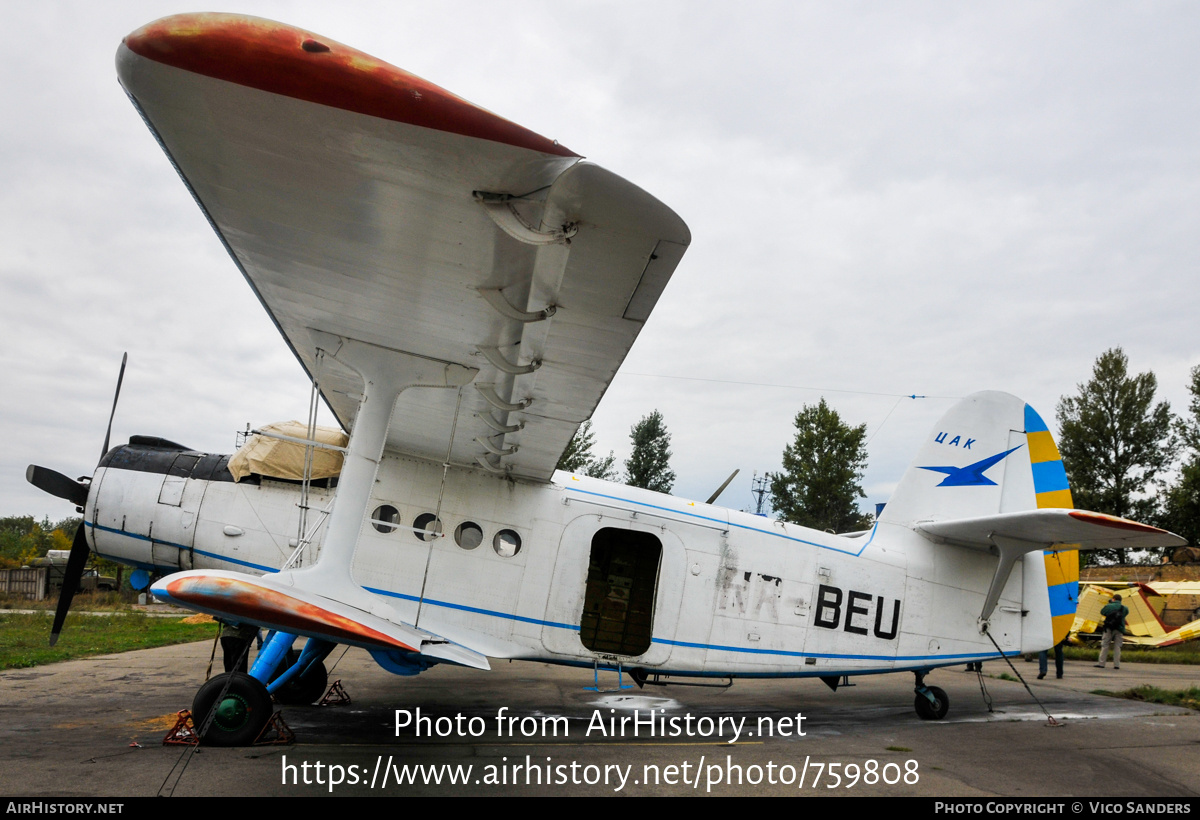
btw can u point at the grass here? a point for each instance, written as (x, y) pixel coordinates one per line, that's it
(89, 601)
(898, 749)
(1189, 697)
(1180, 653)
(25, 638)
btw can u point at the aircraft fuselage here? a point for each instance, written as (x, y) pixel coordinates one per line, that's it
(581, 571)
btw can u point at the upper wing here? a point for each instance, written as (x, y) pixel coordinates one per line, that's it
(366, 204)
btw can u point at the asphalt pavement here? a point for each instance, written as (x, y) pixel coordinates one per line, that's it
(94, 728)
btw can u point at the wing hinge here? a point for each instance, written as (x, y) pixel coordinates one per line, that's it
(496, 359)
(495, 298)
(493, 449)
(488, 391)
(490, 421)
(500, 208)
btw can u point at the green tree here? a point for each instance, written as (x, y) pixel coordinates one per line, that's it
(579, 458)
(1116, 443)
(1189, 425)
(1182, 515)
(22, 539)
(648, 465)
(822, 473)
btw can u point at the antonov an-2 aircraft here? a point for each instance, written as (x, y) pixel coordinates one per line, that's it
(462, 291)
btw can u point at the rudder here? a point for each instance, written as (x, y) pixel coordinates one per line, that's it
(1052, 490)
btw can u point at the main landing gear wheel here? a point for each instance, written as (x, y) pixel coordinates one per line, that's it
(935, 710)
(241, 714)
(302, 690)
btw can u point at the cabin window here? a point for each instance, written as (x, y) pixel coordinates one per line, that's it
(506, 543)
(618, 603)
(427, 527)
(386, 518)
(468, 535)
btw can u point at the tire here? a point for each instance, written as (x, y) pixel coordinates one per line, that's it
(241, 715)
(932, 711)
(302, 691)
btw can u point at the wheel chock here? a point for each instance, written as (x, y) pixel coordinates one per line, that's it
(183, 733)
(336, 696)
(276, 732)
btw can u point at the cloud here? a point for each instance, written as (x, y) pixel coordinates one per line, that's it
(902, 199)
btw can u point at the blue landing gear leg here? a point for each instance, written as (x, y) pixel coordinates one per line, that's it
(295, 679)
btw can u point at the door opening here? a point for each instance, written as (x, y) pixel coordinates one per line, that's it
(618, 604)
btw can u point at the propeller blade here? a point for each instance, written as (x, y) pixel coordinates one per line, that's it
(75, 564)
(77, 492)
(57, 484)
(117, 395)
(721, 489)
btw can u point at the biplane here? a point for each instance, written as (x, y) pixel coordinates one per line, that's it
(461, 291)
(1146, 603)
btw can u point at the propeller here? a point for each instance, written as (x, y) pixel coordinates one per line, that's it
(75, 565)
(57, 484)
(116, 395)
(721, 489)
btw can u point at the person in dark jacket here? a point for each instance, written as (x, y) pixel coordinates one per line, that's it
(1114, 614)
(235, 645)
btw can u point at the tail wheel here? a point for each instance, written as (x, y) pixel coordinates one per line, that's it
(240, 715)
(932, 710)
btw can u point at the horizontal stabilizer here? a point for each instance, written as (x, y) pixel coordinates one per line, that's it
(1012, 535)
(1049, 529)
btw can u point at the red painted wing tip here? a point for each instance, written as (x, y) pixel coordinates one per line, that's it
(1112, 521)
(255, 603)
(292, 62)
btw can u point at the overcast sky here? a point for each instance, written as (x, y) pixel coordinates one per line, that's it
(884, 198)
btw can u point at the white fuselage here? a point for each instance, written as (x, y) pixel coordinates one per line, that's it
(729, 593)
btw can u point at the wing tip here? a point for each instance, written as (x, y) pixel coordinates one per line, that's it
(285, 60)
(1105, 520)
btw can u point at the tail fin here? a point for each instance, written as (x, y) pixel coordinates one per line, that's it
(979, 461)
(991, 454)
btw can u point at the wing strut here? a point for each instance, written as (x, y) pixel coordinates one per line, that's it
(1010, 549)
(386, 373)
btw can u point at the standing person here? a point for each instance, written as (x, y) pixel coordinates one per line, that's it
(235, 644)
(1114, 614)
(1044, 660)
